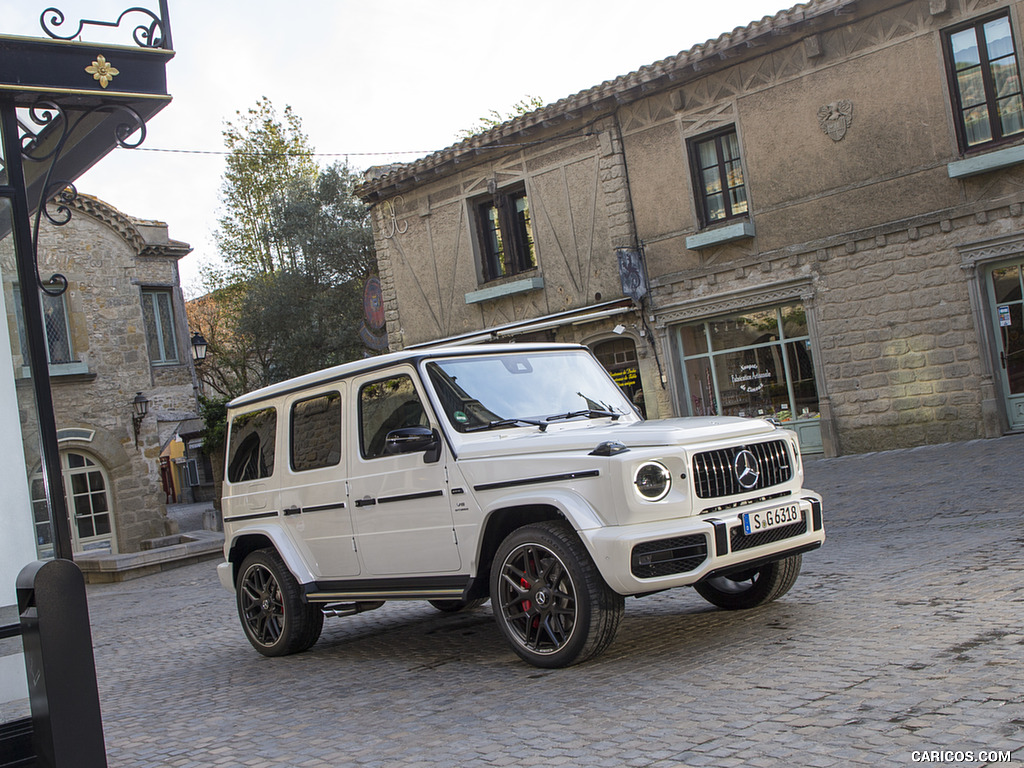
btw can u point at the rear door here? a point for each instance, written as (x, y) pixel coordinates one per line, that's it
(251, 491)
(314, 499)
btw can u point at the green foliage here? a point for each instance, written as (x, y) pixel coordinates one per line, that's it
(298, 247)
(214, 413)
(266, 155)
(494, 118)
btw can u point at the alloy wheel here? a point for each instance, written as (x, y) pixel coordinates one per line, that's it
(537, 599)
(262, 605)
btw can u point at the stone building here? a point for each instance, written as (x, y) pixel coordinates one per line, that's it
(816, 217)
(117, 332)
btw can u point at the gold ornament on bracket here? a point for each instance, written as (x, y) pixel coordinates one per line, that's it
(102, 70)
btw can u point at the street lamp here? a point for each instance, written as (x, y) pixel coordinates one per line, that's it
(198, 348)
(140, 407)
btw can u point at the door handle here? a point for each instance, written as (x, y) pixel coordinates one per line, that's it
(1002, 358)
(367, 502)
(293, 511)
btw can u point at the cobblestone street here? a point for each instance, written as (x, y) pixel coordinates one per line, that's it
(904, 634)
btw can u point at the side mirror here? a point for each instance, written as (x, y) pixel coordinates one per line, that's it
(414, 440)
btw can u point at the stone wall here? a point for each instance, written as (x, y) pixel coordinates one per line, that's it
(108, 260)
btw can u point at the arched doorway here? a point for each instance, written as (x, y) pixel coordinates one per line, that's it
(87, 494)
(618, 356)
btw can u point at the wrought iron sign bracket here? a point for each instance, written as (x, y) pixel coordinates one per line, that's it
(155, 34)
(61, 193)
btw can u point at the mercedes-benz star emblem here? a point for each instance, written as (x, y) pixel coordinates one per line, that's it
(745, 468)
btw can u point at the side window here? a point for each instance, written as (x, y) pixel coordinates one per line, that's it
(985, 81)
(386, 405)
(316, 432)
(251, 445)
(506, 234)
(158, 316)
(718, 176)
(55, 323)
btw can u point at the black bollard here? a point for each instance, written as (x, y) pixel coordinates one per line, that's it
(67, 731)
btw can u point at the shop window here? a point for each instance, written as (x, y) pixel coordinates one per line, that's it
(984, 76)
(505, 234)
(618, 357)
(158, 316)
(316, 432)
(756, 364)
(718, 177)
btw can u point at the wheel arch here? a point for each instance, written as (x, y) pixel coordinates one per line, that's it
(514, 513)
(246, 542)
(499, 524)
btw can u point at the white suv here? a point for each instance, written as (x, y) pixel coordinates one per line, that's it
(519, 473)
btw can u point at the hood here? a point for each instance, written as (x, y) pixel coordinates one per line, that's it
(574, 436)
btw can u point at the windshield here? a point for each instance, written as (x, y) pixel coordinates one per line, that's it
(524, 387)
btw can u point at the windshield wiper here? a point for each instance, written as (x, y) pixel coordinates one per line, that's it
(590, 413)
(507, 423)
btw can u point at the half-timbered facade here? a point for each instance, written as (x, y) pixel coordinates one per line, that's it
(816, 218)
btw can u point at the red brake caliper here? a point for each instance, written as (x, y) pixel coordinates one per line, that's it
(527, 603)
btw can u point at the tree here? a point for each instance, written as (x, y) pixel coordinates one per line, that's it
(494, 118)
(298, 248)
(265, 155)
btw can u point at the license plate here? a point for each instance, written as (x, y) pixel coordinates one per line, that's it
(766, 519)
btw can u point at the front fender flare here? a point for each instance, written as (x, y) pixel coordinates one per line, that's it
(573, 506)
(576, 510)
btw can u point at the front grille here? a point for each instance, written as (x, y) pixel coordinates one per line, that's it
(714, 476)
(668, 556)
(739, 540)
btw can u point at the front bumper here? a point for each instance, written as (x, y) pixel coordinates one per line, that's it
(225, 572)
(634, 559)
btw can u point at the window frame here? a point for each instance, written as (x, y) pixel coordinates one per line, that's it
(368, 451)
(522, 243)
(701, 196)
(161, 356)
(48, 303)
(329, 396)
(260, 455)
(998, 138)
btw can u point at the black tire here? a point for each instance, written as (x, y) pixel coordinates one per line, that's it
(749, 589)
(275, 618)
(549, 599)
(454, 606)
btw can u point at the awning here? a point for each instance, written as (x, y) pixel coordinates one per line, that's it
(590, 314)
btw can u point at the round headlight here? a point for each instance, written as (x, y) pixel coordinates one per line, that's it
(652, 481)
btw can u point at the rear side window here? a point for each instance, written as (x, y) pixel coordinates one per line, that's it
(316, 432)
(251, 445)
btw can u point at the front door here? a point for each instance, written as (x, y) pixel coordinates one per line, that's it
(85, 488)
(400, 504)
(1006, 286)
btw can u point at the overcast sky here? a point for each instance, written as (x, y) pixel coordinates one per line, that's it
(374, 81)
